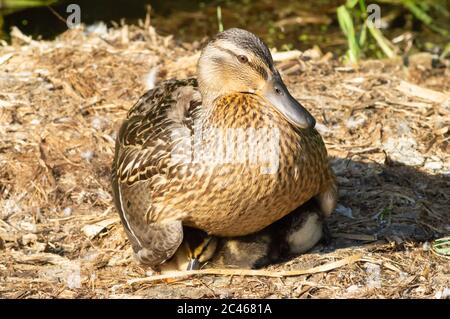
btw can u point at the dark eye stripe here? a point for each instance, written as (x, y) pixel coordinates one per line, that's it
(217, 60)
(257, 67)
(204, 246)
(260, 70)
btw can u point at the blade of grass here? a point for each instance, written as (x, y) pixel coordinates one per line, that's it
(219, 18)
(363, 36)
(16, 4)
(346, 24)
(442, 246)
(385, 45)
(351, 3)
(363, 8)
(423, 16)
(417, 11)
(446, 51)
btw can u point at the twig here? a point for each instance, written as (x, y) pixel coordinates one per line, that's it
(286, 55)
(362, 237)
(16, 33)
(57, 15)
(423, 93)
(250, 272)
(5, 58)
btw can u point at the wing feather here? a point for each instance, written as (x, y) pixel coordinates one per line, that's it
(142, 156)
(145, 141)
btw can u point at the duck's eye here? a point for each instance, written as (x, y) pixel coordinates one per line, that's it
(243, 59)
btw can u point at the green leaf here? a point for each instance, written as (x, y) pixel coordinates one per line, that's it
(446, 51)
(442, 246)
(219, 18)
(346, 24)
(351, 3)
(382, 42)
(363, 8)
(363, 36)
(16, 4)
(419, 12)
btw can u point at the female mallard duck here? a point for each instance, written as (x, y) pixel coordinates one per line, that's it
(229, 155)
(292, 235)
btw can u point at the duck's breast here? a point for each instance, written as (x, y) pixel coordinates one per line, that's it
(248, 168)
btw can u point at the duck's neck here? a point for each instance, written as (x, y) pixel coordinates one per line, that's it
(211, 88)
(210, 93)
(208, 100)
(209, 104)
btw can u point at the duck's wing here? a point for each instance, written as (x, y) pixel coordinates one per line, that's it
(145, 139)
(142, 158)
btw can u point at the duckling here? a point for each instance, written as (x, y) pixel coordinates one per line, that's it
(292, 235)
(196, 249)
(229, 153)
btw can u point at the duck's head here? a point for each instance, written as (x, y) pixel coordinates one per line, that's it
(237, 61)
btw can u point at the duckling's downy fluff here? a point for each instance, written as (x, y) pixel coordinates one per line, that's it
(294, 234)
(185, 154)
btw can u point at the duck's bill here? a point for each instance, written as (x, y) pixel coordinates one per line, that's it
(277, 94)
(193, 264)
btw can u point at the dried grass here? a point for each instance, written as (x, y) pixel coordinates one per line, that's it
(385, 125)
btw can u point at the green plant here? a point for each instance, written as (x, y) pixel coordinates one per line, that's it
(346, 24)
(385, 216)
(219, 18)
(9, 6)
(446, 51)
(420, 10)
(346, 15)
(362, 34)
(442, 246)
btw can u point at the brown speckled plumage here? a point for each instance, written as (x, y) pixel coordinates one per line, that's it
(155, 195)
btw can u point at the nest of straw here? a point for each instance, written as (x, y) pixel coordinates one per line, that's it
(385, 125)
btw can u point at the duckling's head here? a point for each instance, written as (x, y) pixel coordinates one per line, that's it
(200, 248)
(196, 249)
(237, 61)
